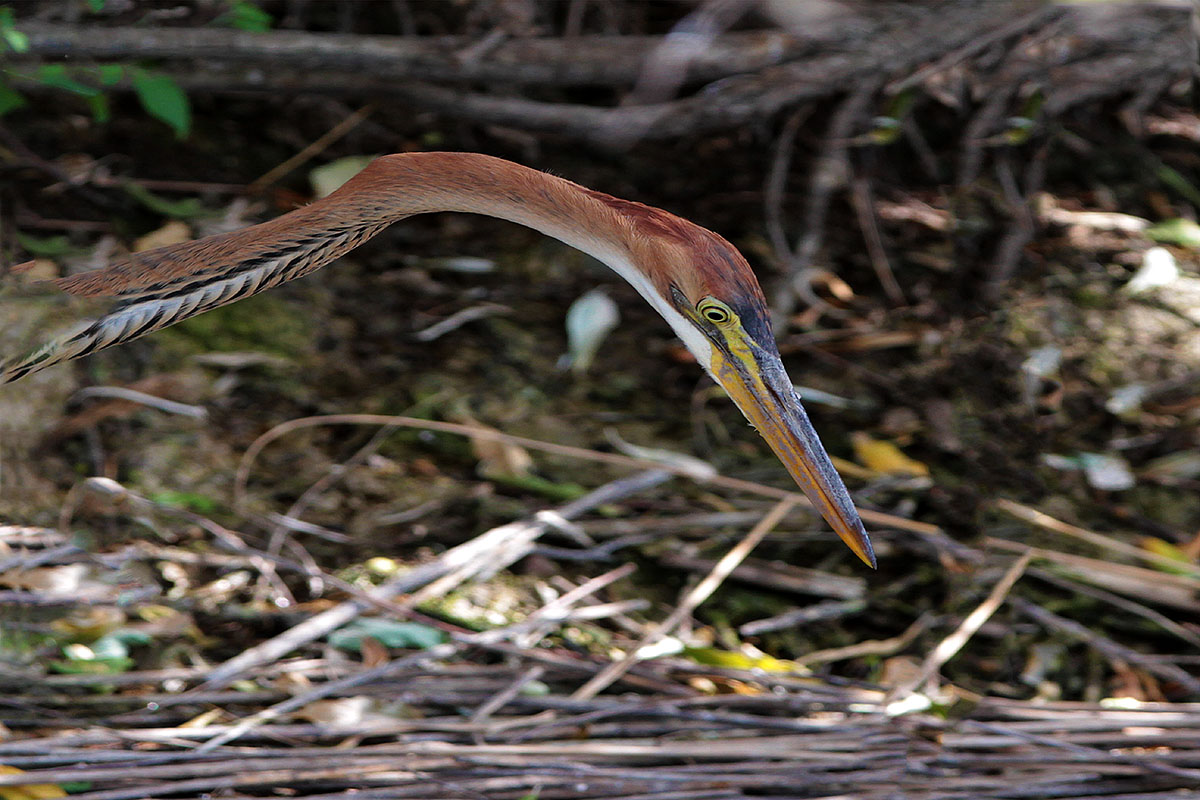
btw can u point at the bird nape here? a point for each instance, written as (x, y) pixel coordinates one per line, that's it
(694, 278)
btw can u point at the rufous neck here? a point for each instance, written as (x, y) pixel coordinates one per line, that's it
(397, 186)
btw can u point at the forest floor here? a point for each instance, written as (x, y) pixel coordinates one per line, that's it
(1028, 466)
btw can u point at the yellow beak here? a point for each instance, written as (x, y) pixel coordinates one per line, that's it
(762, 390)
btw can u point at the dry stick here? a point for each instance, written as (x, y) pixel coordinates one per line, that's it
(773, 194)
(243, 472)
(864, 209)
(142, 398)
(1049, 523)
(329, 137)
(1107, 646)
(115, 493)
(500, 699)
(831, 164)
(1023, 225)
(665, 68)
(975, 136)
(209, 787)
(871, 647)
(324, 690)
(1130, 606)
(1174, 590)
(797, 617)
(1040, 16)
(784, 578)
(279, 532)
(557, 608)
(480, 549)
(1091, 754)
(147, 767)
(543, 60)
(776, 185)
(26, 561)
(698, 595)
(458, 319)
(974, 621)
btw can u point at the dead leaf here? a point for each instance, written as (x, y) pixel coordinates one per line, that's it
(89, 622)
(203, 720)
(173, 232)
(373, 652)
(498, 458)
(326, 178)
(884, 457)
(29, 791)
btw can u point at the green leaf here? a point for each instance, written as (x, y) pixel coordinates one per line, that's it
(557, 491)
(99, 666)
(246, 16)
(12, 38)
(164, 100)
(388, 632)
(179, 209)
(1178, 231)
(198, 503)
(47, 247)
(96, 6)
(75, 787)
(1175, 179)
(10, 99)
(56, 75)
(110, 74)
(715, 657)
(101, 112)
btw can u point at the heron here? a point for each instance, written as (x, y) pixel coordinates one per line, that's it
(694, 278)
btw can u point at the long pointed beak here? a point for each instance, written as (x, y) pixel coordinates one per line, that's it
(762, 390)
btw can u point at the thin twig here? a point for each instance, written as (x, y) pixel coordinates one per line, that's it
(478, 551)
(871, 647)
(1108, 647)
(321, 143)
(242, 476)
(1162, 620)
(829, 174)
(501, 699)
(797, 617)
(947, 648)
(694, 598)
(868, 222)
(142, 398)
(1049, 523)
(434, 653)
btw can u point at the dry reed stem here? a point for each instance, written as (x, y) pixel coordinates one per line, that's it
(720, 571)
(242, 476)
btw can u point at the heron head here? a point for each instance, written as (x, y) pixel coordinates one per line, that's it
(709, 294)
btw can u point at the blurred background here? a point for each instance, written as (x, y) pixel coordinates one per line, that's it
(975, 223)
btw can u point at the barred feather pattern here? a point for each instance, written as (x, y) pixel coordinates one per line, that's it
(672, 263)
(157, 288)
(140, 311)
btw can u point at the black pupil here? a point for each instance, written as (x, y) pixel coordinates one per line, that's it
(715, 315)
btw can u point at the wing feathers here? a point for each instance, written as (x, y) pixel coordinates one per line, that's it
(195, 277)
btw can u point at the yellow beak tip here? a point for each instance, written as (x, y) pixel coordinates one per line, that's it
(861, 546)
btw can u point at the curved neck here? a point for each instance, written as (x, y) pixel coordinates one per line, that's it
(387, 190)
(160, 287)
(399, 186)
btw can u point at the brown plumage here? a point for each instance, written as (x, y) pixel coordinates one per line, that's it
(676, 265)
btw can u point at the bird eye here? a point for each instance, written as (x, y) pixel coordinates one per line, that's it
(714, 311)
